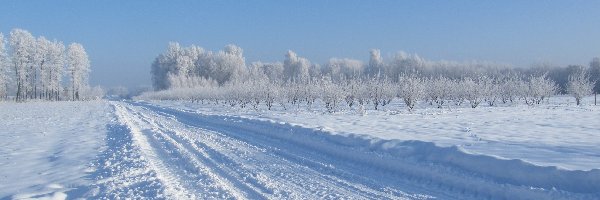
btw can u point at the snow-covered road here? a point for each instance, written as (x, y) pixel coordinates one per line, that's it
(193, 159)
(177, 154)
(153, 150)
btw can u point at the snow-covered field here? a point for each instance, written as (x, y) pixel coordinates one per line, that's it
(47, 147)
(183, 150)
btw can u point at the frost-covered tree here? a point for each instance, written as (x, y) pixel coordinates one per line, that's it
(376, 65)
(295, 68)
(42, 60)
(540, 88)
(579, 86)
(411, 89)
(273, 71)
(510, 89)
(33, 67)
(343, 69)
(404, 63)
(491, 90)
(22, 45)
(352, 90)
(55, 68)
(438, 90)
(474, 91)
(183, 71)
(78, 65)
(227, 65)
(163, 65)
(332, 95)
(194, 61)
(381, 91)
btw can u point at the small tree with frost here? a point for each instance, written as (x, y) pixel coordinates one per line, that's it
(439, 90)
(410, 89)
(473, 92)
(540, 88)
(331, 94)
(579, 86)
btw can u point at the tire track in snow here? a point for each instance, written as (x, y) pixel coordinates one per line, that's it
(232, 169)
(166, 176)
(182, 177)
(446, 182)
(203, 161)
(296, 174)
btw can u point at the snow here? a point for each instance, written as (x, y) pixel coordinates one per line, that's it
(47, 146)
(450, 167)
(555, 134)
(184, 150)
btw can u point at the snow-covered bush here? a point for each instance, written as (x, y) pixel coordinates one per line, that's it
(410, 89)
(473, 91)
(381, 92)
(579, 86)
(438, 90)
(540, 88)
(490, 90)
(511, 89)
(332, 95)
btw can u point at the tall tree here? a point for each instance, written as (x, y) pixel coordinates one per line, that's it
(78, 65)
(56, 65)
(41, 60)
(22, 44)
(295, 68)
(375, 63)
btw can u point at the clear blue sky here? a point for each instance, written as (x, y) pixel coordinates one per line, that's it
(123, 37)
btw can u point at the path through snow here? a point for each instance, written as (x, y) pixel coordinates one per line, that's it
(186, 155)
(157, 152)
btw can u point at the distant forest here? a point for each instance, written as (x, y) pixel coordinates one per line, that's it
(230, 65)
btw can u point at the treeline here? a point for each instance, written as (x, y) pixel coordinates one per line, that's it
(196, 74)
(37, 68)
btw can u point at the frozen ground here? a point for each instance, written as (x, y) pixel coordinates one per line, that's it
(182, 150)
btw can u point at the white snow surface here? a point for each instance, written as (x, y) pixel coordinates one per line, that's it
(183, 150)
(47, 147)
(557, 133)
